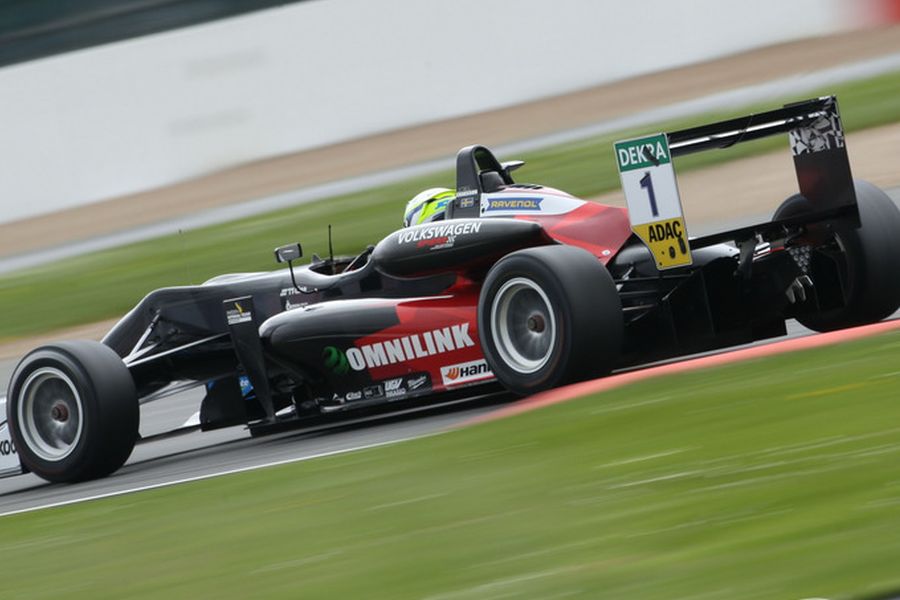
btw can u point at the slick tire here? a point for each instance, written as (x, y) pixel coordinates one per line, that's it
(549, 316)
(867, 257)
(73, 411)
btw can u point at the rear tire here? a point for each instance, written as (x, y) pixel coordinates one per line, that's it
(73, 411)
(549, 316)
(869, 260)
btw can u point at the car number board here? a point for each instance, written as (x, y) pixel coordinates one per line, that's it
(651, 193)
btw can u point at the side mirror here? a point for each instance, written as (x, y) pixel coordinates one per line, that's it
(286, 254)
(512, 165)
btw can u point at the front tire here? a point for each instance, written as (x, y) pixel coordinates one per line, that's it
(73, 411)
(549, 316)
(867, 261)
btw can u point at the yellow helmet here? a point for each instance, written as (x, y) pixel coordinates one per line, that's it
(428, 206)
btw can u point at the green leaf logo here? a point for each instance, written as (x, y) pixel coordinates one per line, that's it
(335, 360)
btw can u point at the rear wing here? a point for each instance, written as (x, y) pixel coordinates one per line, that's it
(816, 139)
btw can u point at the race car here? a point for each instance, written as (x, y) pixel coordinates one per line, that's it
(518, 284)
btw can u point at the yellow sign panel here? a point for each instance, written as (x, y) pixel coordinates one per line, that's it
(667, 241)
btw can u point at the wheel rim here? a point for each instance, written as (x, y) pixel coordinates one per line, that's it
(523, 324)
(50, 414)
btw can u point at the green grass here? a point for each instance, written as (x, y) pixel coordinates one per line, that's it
(108, 283)
(777, 478)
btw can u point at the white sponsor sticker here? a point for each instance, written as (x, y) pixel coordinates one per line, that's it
(393, 388)
(9, 459)
(414, 383)
(238, 314)
(476, 370)
(510, 203)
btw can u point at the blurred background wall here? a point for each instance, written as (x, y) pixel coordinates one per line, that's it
(31, 29)
(131, 115)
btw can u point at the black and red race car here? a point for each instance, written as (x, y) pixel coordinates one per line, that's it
(521, 285)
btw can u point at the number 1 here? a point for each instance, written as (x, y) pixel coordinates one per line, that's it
(647, 184)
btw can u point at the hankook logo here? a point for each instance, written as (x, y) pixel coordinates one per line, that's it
(7, 448)
(475, 370)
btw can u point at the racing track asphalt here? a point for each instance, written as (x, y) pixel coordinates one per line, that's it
(196, 455)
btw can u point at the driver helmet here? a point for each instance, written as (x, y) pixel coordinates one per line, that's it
(428, 206)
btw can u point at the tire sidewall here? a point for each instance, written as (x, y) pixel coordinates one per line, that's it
(34, 462)
(585, 305)
(525, 267)
(869, 254)
(109, 404)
